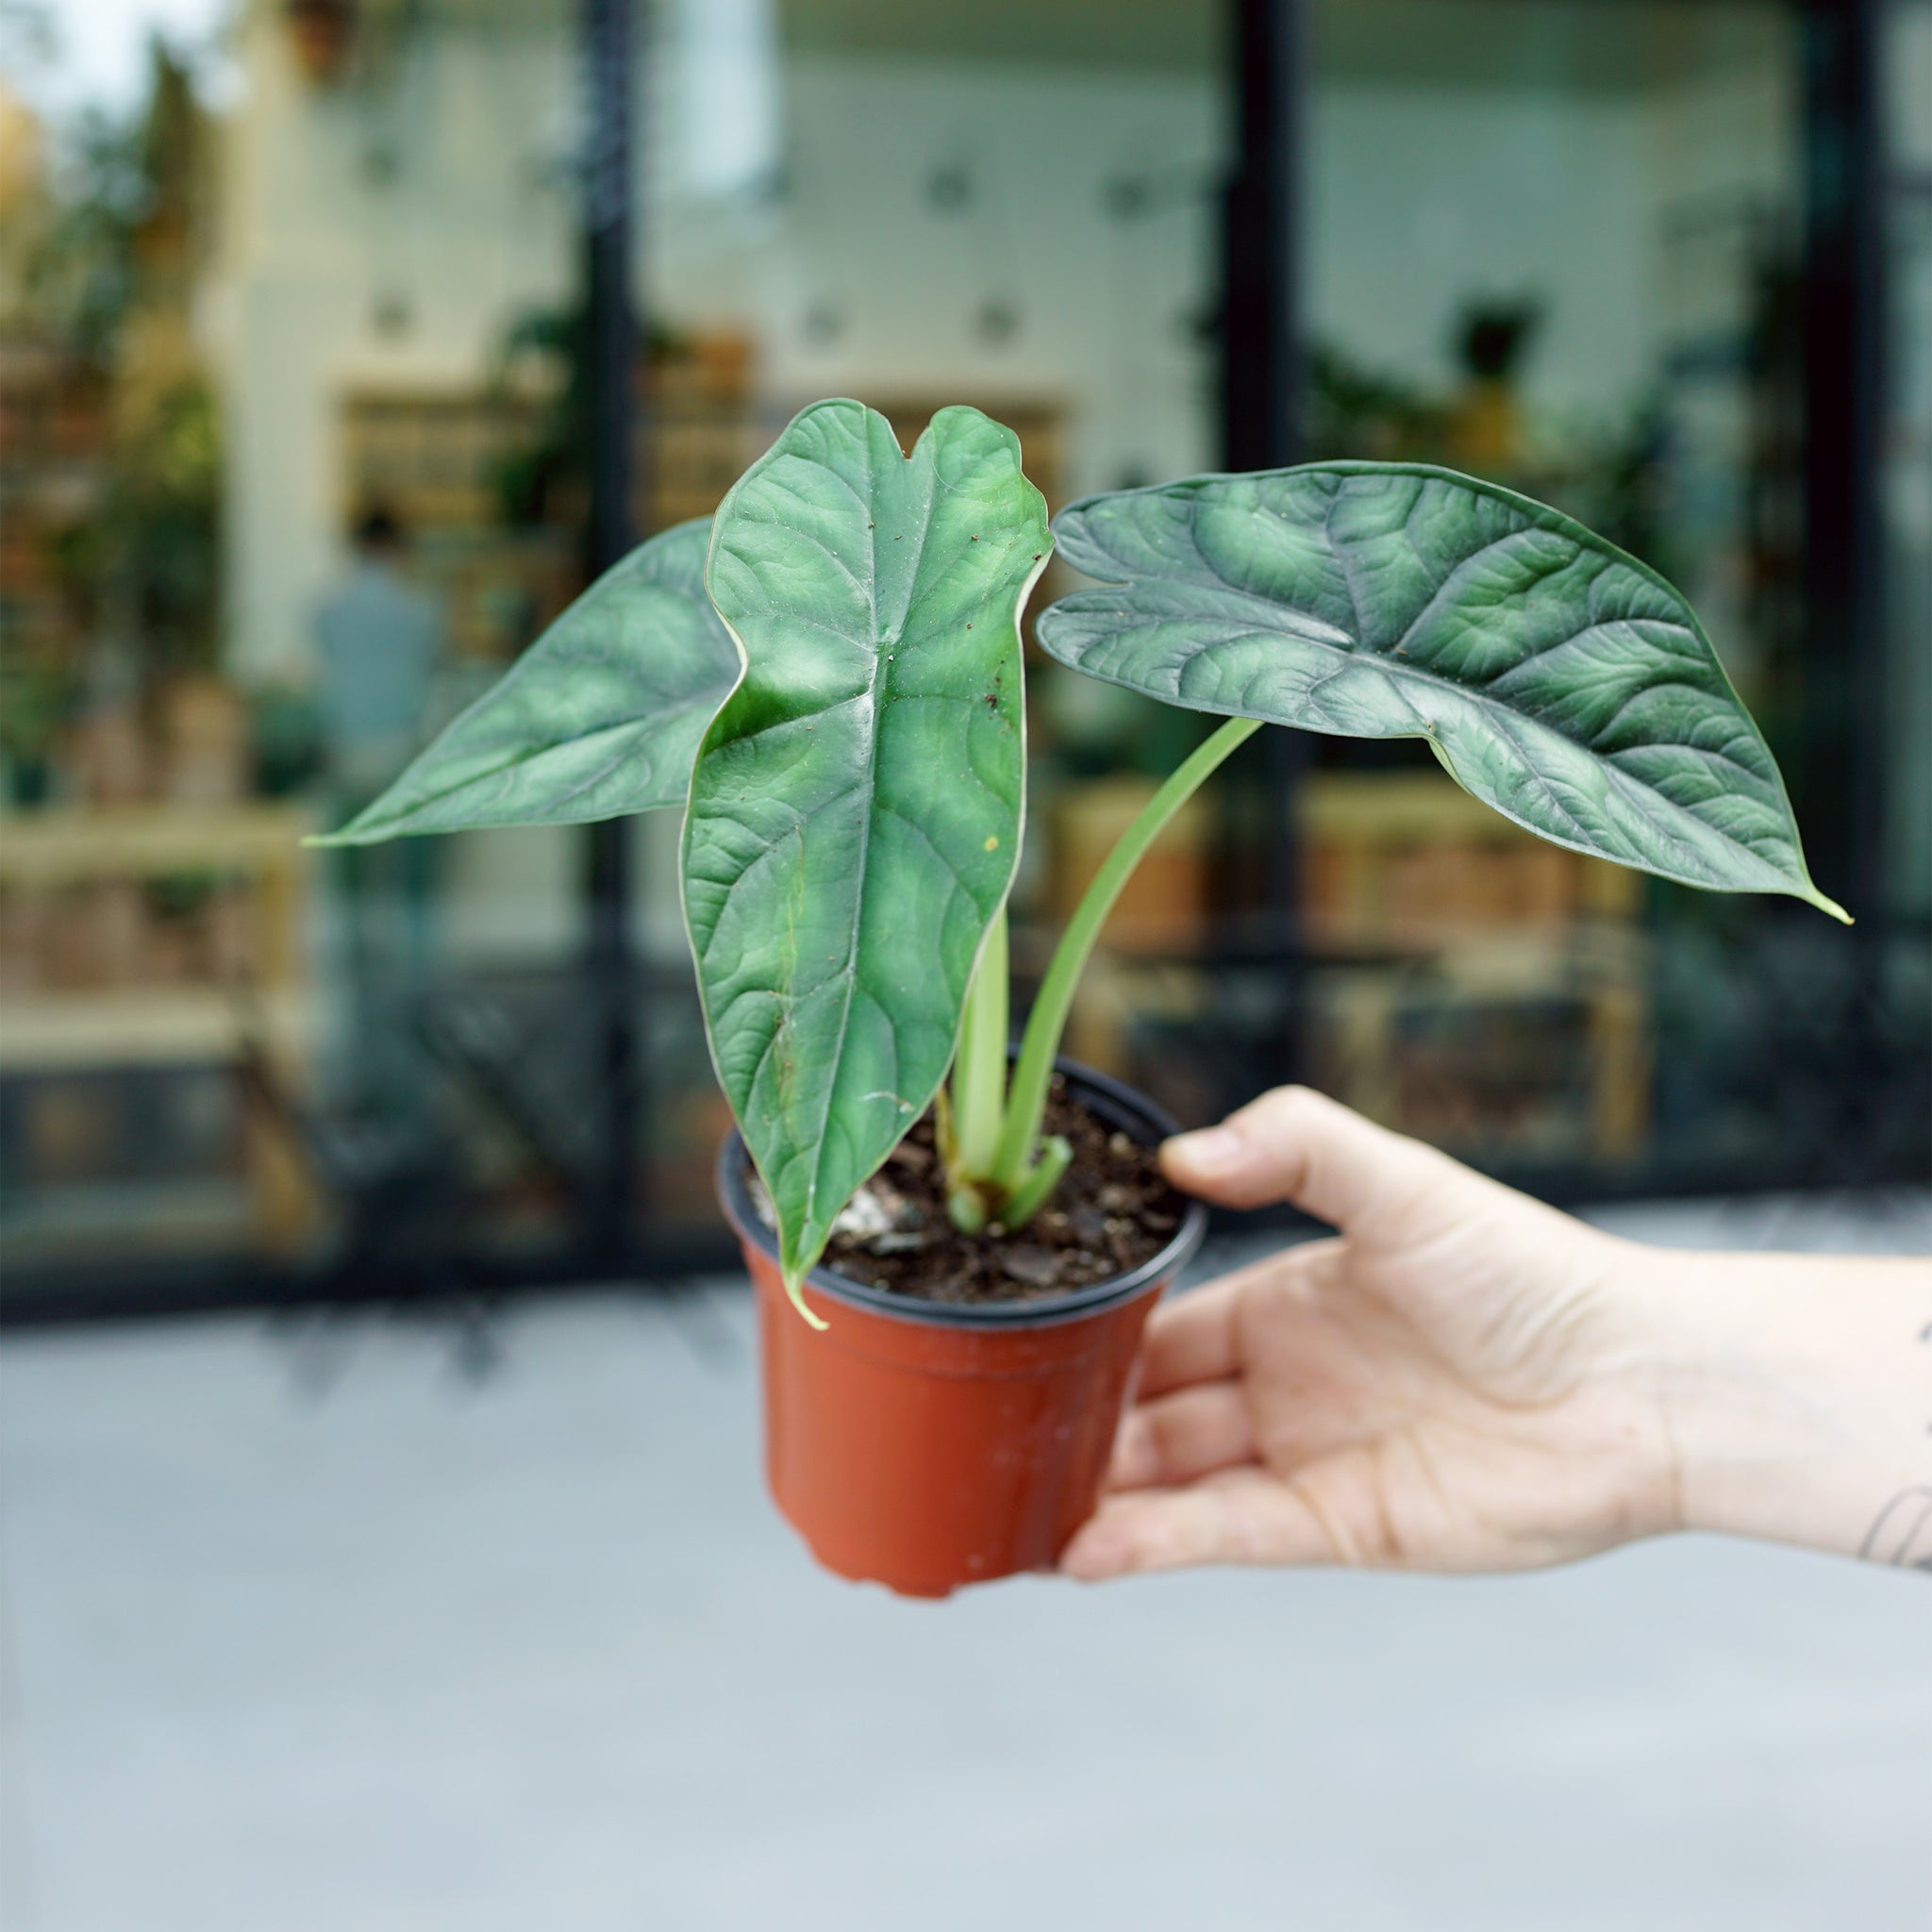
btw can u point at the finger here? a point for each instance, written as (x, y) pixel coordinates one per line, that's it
(1240, 1516)
(1197, 1337)
(1181, 1437)
(1193, 1337)
(1294, 1144)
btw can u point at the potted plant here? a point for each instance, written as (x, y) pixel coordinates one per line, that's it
(827, 679)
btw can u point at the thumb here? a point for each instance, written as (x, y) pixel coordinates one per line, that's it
(1297, 1145)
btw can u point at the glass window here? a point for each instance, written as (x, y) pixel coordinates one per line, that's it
(296, 402)
(295, 406)
(1563, 245)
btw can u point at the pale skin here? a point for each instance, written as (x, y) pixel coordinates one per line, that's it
(1464, 1379)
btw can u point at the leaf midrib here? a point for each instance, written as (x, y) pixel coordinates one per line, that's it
(521, 760)
(1216, 579)
(879, 673)
(1359, 649)
(1355, 652)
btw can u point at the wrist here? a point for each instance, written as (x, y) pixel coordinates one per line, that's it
(1793, 1395)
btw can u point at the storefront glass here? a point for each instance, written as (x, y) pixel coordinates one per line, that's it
(296, 417)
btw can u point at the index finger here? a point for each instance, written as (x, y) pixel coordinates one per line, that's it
(1294, 1144)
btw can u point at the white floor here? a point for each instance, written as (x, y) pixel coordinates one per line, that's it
(323, 1634)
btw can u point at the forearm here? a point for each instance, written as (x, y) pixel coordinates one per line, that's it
(1794, 1393)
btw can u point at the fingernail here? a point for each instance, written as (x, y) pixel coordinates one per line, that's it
(1210, 1150)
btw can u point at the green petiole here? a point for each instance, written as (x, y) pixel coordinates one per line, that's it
(1038, 1182)
(980, 1072)
(998, 1175)
(1033, 1071)
(980, 1082)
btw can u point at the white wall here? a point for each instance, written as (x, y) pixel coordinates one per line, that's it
(1419, 198)
(476, 226)
(1105, 307)
(467, 232)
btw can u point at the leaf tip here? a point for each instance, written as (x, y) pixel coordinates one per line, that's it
(354, 833)
(794, 1291)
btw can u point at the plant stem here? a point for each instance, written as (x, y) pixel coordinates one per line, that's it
(1036, 1183)
(979, 1071)
(1033, 1071)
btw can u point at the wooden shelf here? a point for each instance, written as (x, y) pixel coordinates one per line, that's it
(147, 1026)
(48, 856)
(64, 844)
(1410, 863)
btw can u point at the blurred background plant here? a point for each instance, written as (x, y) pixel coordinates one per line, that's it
(114, 500)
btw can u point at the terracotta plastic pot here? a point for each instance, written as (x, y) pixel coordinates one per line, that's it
(925, 1446)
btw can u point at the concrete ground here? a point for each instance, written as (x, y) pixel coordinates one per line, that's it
(356, 1628)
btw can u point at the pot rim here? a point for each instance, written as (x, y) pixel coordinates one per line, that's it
(1135, 1109)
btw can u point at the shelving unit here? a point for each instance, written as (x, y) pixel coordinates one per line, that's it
(1472, 984)
(84, 1058)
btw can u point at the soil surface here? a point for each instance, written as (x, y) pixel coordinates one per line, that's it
(1110, 1212)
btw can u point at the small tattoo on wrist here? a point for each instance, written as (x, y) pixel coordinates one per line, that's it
(1902, 1534)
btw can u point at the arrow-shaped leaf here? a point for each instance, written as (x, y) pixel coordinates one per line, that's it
(1558, 678)
(854, 812)
(601, 716)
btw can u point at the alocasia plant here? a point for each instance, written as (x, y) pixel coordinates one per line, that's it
(838, 706)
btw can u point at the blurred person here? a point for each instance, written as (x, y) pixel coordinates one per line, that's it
(379, 643)
(1464, 1379)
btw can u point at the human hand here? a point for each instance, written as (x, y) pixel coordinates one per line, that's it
(1465, 1379)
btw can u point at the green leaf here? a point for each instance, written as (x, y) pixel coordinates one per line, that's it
(601, 716)
(1558, 678)
(855, 813)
